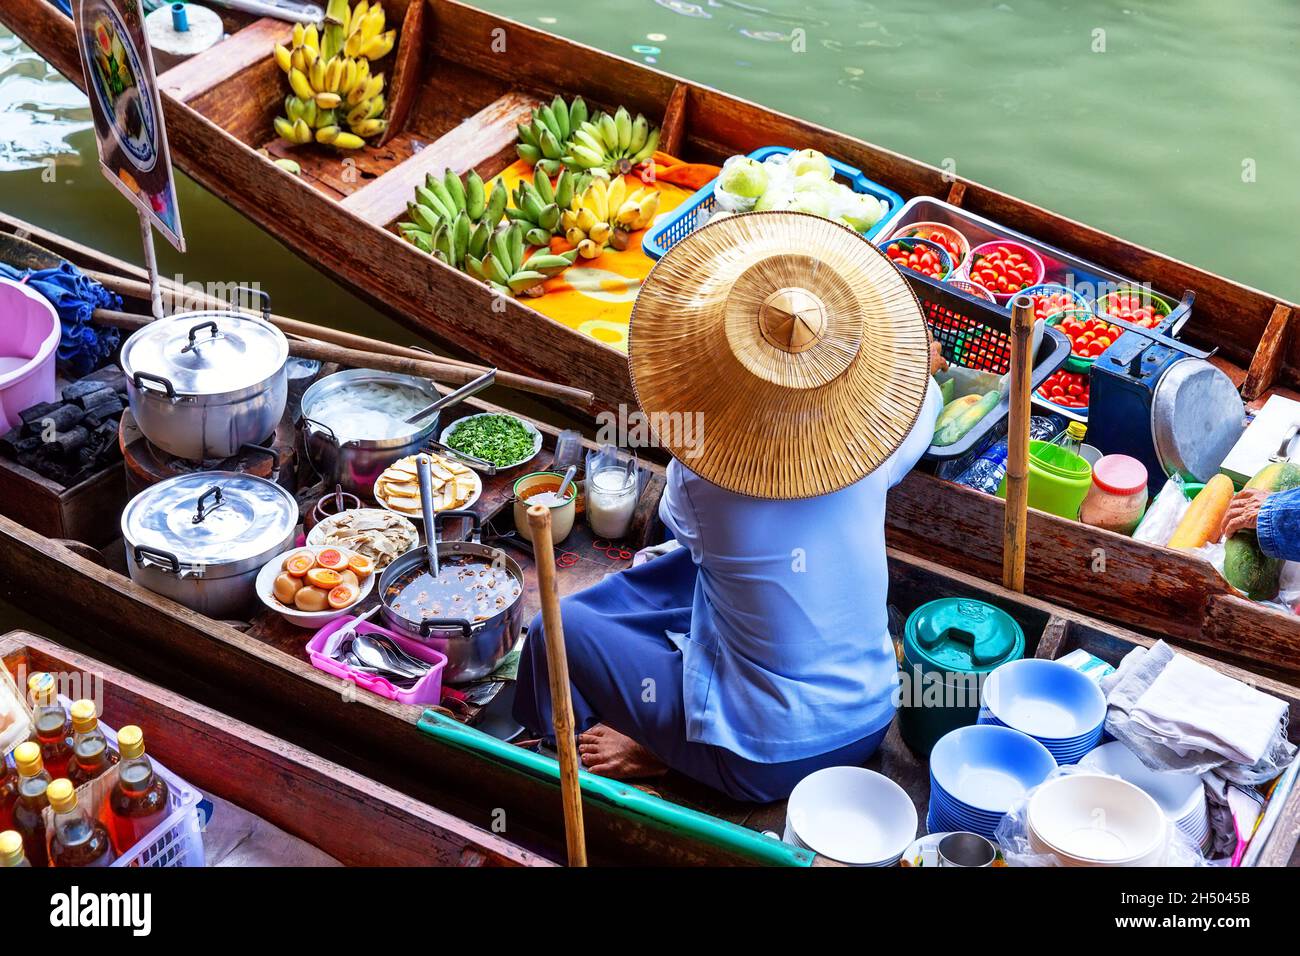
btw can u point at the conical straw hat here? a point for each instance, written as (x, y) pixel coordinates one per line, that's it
(778, 354)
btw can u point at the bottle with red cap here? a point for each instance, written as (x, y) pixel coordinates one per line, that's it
(1117, 499)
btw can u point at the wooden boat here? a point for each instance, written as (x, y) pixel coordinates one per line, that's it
(356, 821)
(455, 101)
(258, 671)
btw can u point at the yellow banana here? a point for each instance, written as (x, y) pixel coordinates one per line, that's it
(359, 13)
(349, 77)
(327, 134)
(284, 129)
(370, 127)
(299, 34)
(334, 76)
(378, 47)
(317, 75)
(311, 38)
(374, 23)
(302, 87)
(348, 141)
(283, 57)
(328, 101)
(298, 60)
(309, 56)
(302, 132)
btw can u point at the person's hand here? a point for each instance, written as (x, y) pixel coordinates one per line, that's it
(937, 362)
(1243, 512)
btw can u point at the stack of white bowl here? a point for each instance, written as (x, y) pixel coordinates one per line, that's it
(851, 815)
(1180, 795)
(1089, 820)
(1052, 702)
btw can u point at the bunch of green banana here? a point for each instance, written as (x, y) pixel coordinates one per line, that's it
(613, 143)
(545, 141)
(451, 219)
(538, 204)
(506, 269)
(605, 214)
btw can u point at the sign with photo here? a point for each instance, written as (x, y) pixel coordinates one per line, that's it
(126, 108)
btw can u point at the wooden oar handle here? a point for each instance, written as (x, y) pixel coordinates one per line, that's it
(557, 663)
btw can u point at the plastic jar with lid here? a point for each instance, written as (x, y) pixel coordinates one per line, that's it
(1117, 498)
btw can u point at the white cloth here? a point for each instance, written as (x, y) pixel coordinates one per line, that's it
(1193, 707)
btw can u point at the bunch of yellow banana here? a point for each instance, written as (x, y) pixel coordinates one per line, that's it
(332, 90)
(606, 214)
(364, 34)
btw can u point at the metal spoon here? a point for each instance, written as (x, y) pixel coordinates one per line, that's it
(391, 648)
(422, 465)
(451, 398)
(568, 480)
(384, 655)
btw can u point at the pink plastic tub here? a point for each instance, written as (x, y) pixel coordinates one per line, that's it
(427, 691)
(29, 334)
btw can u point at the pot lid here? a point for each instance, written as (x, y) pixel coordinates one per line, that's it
(204, 353)
(239, 517)
(961, 634)
(1196, 417)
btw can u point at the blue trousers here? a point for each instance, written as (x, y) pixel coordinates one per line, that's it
(625, 673)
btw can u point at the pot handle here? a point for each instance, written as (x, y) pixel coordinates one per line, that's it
(139, 378)
(476, 524)
(428, 625)
(168, 560)
(261, 294)
(199, 512)
(194, 334)
(266, 450)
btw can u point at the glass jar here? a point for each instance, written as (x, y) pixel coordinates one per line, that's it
(1117, 498)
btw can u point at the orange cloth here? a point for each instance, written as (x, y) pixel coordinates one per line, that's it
(595, 296)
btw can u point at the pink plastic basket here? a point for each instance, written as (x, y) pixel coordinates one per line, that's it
(1032, 257)
(29, 336)
(427, 691)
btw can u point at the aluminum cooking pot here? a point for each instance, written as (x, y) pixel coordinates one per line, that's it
(472, 649)
(200, 538)
(356, 463)
(202, 384)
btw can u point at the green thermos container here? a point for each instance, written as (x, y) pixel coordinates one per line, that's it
(949, 646)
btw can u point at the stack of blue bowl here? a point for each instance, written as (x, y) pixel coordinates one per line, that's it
(1052, 702)
(978, 772)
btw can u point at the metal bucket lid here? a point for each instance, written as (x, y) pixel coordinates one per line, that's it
(1196, 417)
(241, 524)
(207, 353)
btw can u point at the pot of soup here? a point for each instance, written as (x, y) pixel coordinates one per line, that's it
(358, 422)
(470, 610)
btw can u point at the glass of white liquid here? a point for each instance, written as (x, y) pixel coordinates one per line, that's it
(611, 500)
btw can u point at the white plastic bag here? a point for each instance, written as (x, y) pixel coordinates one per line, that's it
(1162, 518)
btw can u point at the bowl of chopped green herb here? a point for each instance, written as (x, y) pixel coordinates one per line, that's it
(503, 440)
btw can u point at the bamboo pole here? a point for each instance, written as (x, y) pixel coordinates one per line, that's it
(557, 665)
(1016, 516)
(427, 366)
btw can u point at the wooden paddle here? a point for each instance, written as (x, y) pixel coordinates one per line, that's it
(557, 665)
(1016, 516)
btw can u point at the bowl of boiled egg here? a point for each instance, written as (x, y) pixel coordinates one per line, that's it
(311, 586)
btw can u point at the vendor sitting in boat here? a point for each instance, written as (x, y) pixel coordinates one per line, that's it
(758, 651)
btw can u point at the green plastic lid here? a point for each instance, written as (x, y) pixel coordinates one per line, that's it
(962, 635)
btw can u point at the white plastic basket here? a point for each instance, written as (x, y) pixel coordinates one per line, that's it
(178, 839)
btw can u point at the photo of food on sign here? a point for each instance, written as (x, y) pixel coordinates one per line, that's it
(124, 104)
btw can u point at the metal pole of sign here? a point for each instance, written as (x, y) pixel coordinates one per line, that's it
(151, 264)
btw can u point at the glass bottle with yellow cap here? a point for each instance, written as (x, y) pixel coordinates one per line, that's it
(139, 800)
(8, 793)
(91, 754)
(11, 849)
(77, 839)
(33, 780)
(53, 726)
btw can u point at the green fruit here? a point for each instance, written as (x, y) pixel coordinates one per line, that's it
(455, 189)
(475, 198)
(525, 280)
(1245, 566)
(744, 177)
(496, 204)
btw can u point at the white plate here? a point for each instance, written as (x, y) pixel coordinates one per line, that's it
(418, 516)
(445, 437)
(325, 525)
(310, 619)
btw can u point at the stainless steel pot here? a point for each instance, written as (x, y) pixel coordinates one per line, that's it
(473, 650)
(201, 538)
(356, 463)
(202, 384)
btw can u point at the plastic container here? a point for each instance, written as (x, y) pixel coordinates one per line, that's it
(1075, 299)
(952, 642)
(428, 690)
(1080, 364)
(908, 244)
(1117, 498)
(1058, 480)
(29, 335)
(973, 289)
(1032, 257)
(1163, 306)
(686, 218)
(927, 230)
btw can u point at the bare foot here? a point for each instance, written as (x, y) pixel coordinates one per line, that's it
(605, 751)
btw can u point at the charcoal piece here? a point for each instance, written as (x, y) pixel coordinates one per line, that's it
(20, 448)
(9, 442)
(83, 391)
(111, 375)
(36, 412)
(68, 442)
(61, 418)
(105, 406)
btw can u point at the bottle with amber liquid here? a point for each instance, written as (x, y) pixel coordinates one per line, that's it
(53, 726)
(11, 850)
(77, 839)
(91, 754)
(140, 798)
(8, 793)
(33, 781)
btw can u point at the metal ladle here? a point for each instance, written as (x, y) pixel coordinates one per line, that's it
(451, 398)
(422, 467)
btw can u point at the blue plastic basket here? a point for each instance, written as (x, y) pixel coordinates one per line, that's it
(683, 220)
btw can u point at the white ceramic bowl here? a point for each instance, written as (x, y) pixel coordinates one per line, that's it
(1180, 795)
(445, 437)
(1094, 820)
(851, 815)
(310, 619)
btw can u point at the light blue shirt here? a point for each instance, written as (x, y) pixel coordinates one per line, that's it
(789, 654)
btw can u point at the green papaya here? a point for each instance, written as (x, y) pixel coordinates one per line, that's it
(955, 428)
(1245, 565)
(953, 409)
